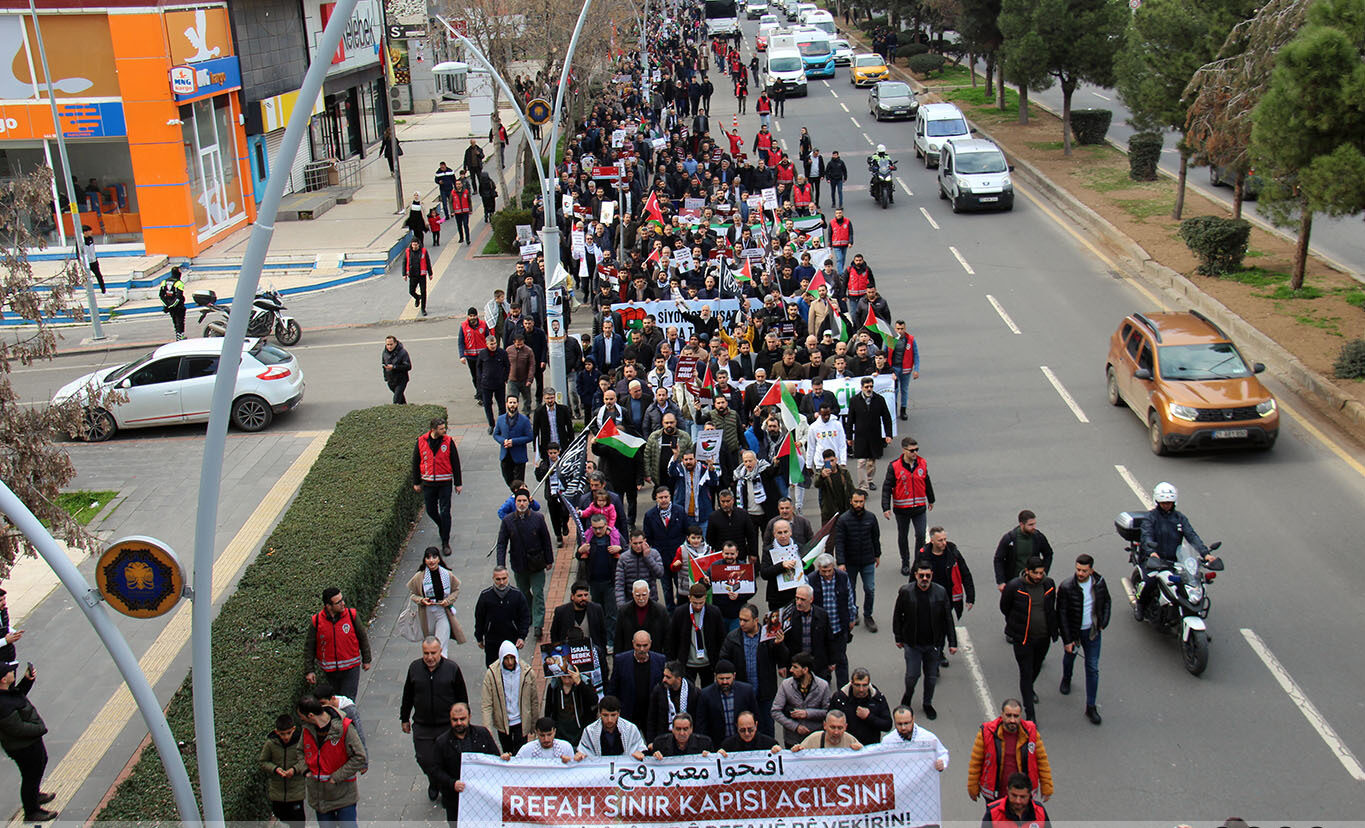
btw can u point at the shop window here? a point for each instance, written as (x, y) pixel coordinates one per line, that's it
(102, 173)
(211, 158)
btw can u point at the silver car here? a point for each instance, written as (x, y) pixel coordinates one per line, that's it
(891, 100)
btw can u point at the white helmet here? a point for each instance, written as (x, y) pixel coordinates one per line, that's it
(881, 149)
(1164, 493)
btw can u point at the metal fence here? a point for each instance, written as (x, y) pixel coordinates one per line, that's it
(330, 172)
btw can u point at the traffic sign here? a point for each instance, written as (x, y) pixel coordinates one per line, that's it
(538, 111)
(140, 577)
(1134, 4)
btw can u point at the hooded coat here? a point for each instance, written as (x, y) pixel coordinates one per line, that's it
(493, 699)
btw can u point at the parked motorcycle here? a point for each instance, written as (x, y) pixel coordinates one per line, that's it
(267, 317)
(883, 185)
(1182, 601)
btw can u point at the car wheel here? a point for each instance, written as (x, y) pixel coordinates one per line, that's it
(1111, 385)
(1154, 434)
(99, 426)
(251, 413)
(926, 160)
(956, 204)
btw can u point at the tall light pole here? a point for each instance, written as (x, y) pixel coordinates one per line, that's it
(224, 383)
(77, 229)
(549, 232)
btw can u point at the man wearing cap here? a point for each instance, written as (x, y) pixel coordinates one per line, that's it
(21, 735)
(720, 703)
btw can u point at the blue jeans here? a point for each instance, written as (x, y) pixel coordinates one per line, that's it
(763, 120)
(868, 572)
(902, 388)
(840, 253)
(344, 817)
(836, 194)
(1092, 665)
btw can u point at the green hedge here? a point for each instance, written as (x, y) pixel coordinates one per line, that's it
(1090, 125)
(345, 528)
(1350, 363)
(909, 50)
(505, 227)
(1220, 243)
(1144, 151)
(926, 64)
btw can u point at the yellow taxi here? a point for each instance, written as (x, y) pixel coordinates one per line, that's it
(866, 69)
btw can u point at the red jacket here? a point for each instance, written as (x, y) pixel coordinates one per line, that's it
(998, 814)
(436, 466)
(911, 491)
(324, 759)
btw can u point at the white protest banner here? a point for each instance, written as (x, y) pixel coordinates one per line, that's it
(769, 198)
(669, 314)
(789, 578)
(529, 251)
(683, 256)
(566, 202)
(524, 234)
(880, 785)
(608, 211)
(697, 204)
(708, 445)
(658, 143)
(578, 242)
(844, 390)
(618, 137)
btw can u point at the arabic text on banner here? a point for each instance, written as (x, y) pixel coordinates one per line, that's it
(879, 785)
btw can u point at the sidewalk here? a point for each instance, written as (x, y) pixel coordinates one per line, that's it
(349, 243)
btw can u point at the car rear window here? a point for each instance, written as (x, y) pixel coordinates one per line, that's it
(268, 354)
(1212, 361)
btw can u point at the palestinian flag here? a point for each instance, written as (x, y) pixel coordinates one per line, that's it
(792, 451)
(700, 565)
(808, 224)
(745, 273)
(839, 325)
(708, 382)
(881, 328)
(780, 396)
(619, 440)
(654, 256)
(818, 282)
(652, 213)
(816, 545)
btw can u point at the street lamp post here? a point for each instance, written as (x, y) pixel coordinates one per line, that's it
(549, 233)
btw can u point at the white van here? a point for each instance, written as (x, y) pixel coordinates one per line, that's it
(973, 172)
(820, 19)
(785, 70)
(935, 124)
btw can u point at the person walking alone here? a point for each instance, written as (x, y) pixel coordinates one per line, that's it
(1083, 608)
(21, 735)
(397, 365)
(417, 268)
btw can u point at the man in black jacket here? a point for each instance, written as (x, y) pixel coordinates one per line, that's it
(922, 619)
(681, 740)
(634, 675)
(21, 734)
(836, 172)
(673, 694)
(525, 537)
(719, 704)
(1017, 546)
(580, 615)
(810, 632)
(552, 423)
(502, 613)
(858, 550)
(757, 662)
(730, 524)
(1083, 608)
(433, 684)
(1029, 604)
(493, 369)
(695, 634)
(451, 746)
(865, 706)
(749, 737)
(950, 572)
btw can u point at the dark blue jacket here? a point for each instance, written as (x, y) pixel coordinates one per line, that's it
(711, 713)
(1163, 531)
(622, 684)
(709, 480)
(516, 428)
(618, 350)
(666, 539)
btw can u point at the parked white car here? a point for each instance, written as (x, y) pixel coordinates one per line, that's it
(174, 384)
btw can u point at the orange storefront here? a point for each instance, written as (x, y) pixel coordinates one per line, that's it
(153, 128)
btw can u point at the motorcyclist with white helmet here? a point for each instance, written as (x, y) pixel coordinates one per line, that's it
(873, 161)
(1163, 530)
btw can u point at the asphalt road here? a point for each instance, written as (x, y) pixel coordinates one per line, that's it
(1340, 239)
(998, 437)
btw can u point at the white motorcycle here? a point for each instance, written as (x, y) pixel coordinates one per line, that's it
(1182, 603)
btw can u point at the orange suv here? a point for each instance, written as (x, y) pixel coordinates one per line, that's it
(1185, 379)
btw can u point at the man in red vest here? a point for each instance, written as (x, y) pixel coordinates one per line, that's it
(473, 340)
(909, 494)
(1006, 745)
(1016, 807)
(840, 237)
(337, 644)
(417, 267)
(334, 753)
(763, 141)
(435, 472)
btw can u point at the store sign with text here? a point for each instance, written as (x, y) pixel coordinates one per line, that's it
(207, 78)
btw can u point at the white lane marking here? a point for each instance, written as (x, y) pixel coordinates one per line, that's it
(1014, 329)
(1309, 710)
(1142, 494)
(841, 105)
(777, 125)
(967, 268)
(906, 187)
(1065, 394)
(983, 691)
(831, 91)
(1101, 97)
(826, 83)
(865, 138)
(929, 218)
(855, 122)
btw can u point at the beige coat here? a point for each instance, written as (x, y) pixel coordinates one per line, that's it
(415, 587)
(495, 706)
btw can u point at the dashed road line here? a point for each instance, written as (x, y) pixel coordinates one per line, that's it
(906, 187)
(1014, 329)
(841, 104)
(1133, 484)
(965, 266)
(777, 125)
(1101, 97)
(1065, 394)
(832, 92)
(983, 690)
(929, 218)
(1306, 706)
(867, 139)
(855, 122)
(826, 83)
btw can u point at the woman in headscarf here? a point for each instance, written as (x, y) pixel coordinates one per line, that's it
(434, 589)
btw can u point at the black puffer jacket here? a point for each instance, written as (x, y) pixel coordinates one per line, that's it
(20, 724)
(1016, 604)
(1071, 605)
(857, 539)
(905, 618)
(1163, 531)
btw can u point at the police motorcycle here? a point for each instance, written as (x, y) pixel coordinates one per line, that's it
(882, 185)
(267, 316)
(1182, 603)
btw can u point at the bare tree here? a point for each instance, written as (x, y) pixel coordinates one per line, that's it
(32, 464)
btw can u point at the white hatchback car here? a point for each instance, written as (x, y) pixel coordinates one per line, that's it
(174, 384)
(843, 52)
